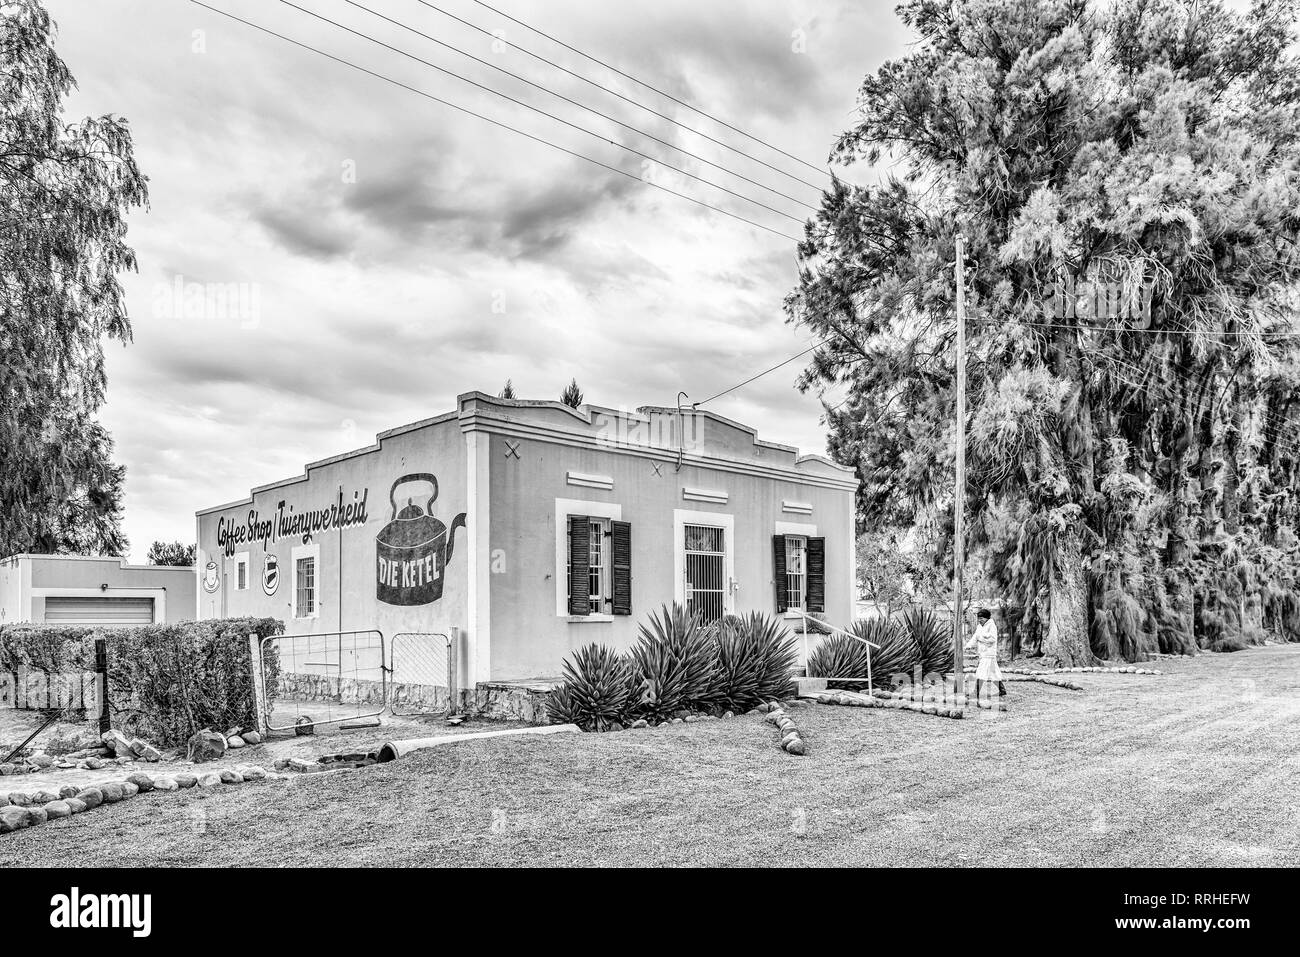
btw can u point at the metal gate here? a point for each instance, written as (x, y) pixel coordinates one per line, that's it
(322, 679)
(422, 674)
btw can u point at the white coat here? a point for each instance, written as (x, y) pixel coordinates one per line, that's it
(985, 642)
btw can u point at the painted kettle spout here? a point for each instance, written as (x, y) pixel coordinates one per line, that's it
(457, 522)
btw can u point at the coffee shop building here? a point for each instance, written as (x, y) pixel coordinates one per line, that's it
(528, 529)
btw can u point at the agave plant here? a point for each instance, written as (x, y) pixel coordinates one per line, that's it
(756, 657)
(839, 656)
(675, 658)
(597, 690)
(933, 640)
(898, 652)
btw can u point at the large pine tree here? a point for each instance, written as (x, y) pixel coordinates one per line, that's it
(1134, 471)
(64, 192)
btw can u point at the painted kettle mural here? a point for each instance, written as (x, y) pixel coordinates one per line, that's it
(414, 548)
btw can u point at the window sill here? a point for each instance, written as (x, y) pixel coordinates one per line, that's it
(583, 619)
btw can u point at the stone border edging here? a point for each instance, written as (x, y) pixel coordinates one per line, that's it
(1090, 669)
(791, 740)
(944, 708)
(19, 811)
(1043, 679)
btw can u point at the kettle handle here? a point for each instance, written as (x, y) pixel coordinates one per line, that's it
(413, 477)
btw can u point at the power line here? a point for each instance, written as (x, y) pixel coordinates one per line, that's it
(499, 123)
(1119, 330)
(589, 109)
(1278, 441)
(760, 375)
(628, 76)
(535, 109)
(1268, 418)
(636, 103)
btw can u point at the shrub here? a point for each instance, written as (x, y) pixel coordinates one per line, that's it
(933, 640)
(839, 656)
(597, 690)
(756, 657)
(165, 681)
(898, 653)
(675, 658)
(1228, 643)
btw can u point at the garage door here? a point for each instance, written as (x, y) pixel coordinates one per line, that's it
(99, 611)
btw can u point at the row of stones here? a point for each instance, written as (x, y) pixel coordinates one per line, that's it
(45, 762)
(791, 742)
(1090, 669)
(19, 810)
(950, 708)
(681, 719)
(1047, 680)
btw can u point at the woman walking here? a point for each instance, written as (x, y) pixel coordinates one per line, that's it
(985, 642)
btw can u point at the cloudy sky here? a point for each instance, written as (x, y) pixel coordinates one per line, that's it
(392, 253)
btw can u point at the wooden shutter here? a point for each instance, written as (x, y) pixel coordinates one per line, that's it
(622, 567)
(817, 574)
(579, 565)
(778, 574)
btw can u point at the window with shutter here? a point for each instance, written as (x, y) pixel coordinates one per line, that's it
(816, 565)
(779, 574)
(622, 567)
(579, 565)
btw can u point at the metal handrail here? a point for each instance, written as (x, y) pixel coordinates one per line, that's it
(836, 631)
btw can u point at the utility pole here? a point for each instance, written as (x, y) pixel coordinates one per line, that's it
(959, 503)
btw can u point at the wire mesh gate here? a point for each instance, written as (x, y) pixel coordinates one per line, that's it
(422, 673)
(323, 679)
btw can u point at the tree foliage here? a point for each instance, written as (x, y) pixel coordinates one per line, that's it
(65, 190)
(1133, 467)
(171, 553)
(572, 395)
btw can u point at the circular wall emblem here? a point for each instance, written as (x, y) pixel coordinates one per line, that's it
(271, 575)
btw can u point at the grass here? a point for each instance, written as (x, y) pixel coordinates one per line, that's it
(1194, 768)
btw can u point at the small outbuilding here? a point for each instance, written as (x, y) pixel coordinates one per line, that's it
(533, 528)
(93, 590)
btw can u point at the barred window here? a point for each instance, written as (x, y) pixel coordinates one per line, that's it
(796, 571)
(305, 605)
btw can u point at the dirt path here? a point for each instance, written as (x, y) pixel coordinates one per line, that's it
(1198, 767)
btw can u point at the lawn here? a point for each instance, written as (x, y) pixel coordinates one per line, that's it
(1197, 767)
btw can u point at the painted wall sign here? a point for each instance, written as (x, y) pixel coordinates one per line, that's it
(287, 523)
(211, 577)
(413, 549)
(271, 575)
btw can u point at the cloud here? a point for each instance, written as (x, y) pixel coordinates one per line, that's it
(401, 252)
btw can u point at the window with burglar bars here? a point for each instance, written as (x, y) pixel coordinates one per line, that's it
(799, 573)
(706, 582)
(306, 597)
(596, 566)
(796, 571)
(597, 574)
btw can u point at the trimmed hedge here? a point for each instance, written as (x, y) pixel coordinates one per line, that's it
(165, 681)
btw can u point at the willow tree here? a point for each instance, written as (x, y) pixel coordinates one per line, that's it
(64, 192)
(1127, 177)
